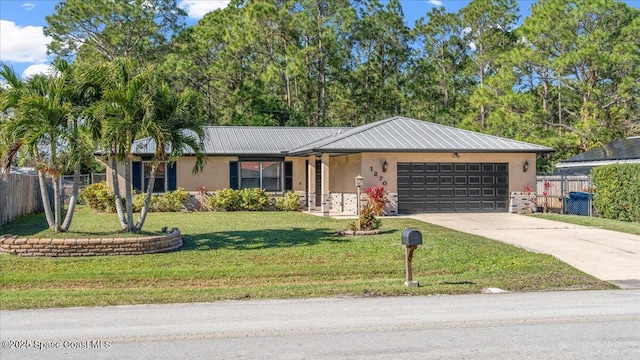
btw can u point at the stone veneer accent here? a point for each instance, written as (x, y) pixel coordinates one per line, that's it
(90, 247)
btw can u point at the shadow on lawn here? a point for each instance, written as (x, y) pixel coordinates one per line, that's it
(259, 239)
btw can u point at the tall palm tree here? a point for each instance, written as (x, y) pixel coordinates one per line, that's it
(134, 105)
(124, 109)
(40, 121)
(177, 124)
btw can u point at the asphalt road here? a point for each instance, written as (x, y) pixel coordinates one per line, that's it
(554, 325)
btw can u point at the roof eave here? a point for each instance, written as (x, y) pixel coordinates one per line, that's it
(596, 163)
(461, 151)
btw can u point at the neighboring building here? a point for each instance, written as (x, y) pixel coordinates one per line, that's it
(617, 152)
(424, 167)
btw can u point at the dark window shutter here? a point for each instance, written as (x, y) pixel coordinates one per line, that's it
(233, 175)
(136, 175)
(288, 175)
(172, 176)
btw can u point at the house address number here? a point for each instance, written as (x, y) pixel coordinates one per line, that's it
(380, 177)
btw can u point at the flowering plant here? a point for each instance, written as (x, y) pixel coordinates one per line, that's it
(376, 198)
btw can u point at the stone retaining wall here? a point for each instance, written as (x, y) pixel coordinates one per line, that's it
(90, 247)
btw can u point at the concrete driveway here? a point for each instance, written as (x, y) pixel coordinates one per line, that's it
(608, 255)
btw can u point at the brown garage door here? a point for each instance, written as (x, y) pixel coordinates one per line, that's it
(452, 187)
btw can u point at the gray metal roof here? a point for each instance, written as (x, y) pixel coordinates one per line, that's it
(397, 134)
(249, 140)
(618, 151)
(400, 134)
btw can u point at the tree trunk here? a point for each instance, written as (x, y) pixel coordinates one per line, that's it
(57, 203)
(72, 200)
(45, 199)
(116, 192)
(147, 200)
(128, 196)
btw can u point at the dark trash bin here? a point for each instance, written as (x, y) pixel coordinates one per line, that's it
(578, 203)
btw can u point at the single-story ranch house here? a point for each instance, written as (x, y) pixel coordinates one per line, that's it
(424, 167)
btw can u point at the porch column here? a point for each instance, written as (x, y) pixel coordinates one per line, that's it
(311, 183)
(326, 195)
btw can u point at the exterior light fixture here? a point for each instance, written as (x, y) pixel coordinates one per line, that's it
(385, 166)
(359, 181)
(525, 166)
(455, 155)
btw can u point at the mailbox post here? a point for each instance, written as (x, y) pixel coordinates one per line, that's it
(410, 240)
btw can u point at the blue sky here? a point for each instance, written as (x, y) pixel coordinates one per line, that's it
(24, 47)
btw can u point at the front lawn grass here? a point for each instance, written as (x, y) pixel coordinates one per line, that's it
(268, 255)
(598, 222)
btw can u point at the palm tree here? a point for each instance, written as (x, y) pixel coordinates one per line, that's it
(132, 107)
(41, 121)
(118, 118)
(177, 124)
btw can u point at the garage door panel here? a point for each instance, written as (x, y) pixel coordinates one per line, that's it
(460, 168)
(488, 192)
(432, 192)
(452, 187)
(446, 192)
(474, 180)
(501, 193)
(417, 180)
(446, 180)
(432, 180)
(460, 193)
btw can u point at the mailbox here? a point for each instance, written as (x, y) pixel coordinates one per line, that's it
(411, 237)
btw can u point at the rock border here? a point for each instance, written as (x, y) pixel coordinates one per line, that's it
(358, 232)
(29, 247)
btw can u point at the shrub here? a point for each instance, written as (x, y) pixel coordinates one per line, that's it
(99, 197)
(617, 191)
(254, 199)
(368, 220)
(289, 201)
(376, 198)
(167, 202)
(225, 199)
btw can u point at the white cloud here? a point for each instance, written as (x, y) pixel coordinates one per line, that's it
(22, 44)
(199, 8)
(37, 69)
(436, 2)
(28, 6)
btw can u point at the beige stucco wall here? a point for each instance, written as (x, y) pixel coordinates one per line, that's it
(343, 170)
(214, 175)
(299, 172)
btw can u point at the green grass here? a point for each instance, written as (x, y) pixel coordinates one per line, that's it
(271, 255)
(608, 224)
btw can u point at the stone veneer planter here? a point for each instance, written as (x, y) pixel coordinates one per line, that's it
(90, 247)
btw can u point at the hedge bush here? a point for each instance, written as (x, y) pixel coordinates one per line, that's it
(99, 197)
(289, 201)
(167, 202)
(617, 191)
(225, 199)
(254, 199)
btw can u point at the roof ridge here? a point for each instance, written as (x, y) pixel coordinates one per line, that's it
(273, 127)
(350, 132)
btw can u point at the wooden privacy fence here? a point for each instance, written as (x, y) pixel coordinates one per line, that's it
(20, 195)
(552, 192)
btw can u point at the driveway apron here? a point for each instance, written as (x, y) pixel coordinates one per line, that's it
(608, 255)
